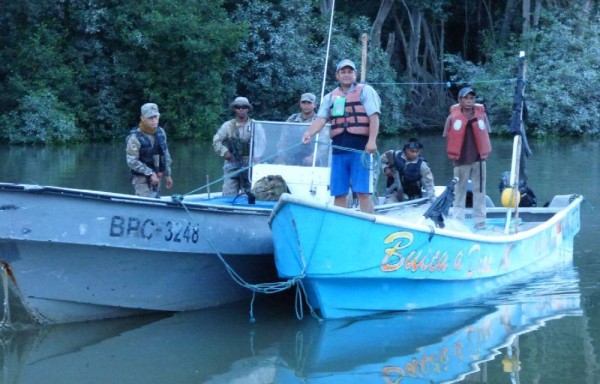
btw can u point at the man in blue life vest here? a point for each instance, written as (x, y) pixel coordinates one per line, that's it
(148, 155)
(407, 174)
(468, 145)
(353, 110)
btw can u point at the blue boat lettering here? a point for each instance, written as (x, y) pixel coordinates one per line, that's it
(415, 260)
(458, 261)
(479, 263)
(505, 260)
(176, 232)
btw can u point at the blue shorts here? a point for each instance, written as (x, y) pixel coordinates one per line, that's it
(347, 169)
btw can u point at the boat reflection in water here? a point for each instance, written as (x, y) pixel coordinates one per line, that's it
(220, 345)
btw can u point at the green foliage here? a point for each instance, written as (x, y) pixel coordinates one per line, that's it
(280, 58)
(40, 118)
(191, 44)
(563, 73)
(494, 83)
(284, 54)
(83, 68)
(103, 60)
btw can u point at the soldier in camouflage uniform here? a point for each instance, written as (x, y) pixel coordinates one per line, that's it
(232, 142)
(288, 141)
(148, 155)
(407, 173)
(307, 109)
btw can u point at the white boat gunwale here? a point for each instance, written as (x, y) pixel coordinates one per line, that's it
(556, 213)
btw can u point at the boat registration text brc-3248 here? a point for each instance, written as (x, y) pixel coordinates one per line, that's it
(121, 226)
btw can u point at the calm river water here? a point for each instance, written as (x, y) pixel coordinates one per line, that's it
(544, 331)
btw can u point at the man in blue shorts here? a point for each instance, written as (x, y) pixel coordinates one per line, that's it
(353, 110)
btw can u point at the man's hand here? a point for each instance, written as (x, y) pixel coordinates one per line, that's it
(154, 179)
(168, 182)
(388, 172)
(227, 155)
(306, 138)
(371, 147)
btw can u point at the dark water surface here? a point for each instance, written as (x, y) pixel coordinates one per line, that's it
(546, 330)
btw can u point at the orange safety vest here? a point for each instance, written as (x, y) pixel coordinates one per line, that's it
(456, 132)
(355, 119)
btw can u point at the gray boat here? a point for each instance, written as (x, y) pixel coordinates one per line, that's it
(71, 255)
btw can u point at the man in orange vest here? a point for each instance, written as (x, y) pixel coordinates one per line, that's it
(468, 145)
(353, 110)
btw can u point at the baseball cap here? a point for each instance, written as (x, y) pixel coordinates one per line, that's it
(149, 110)
(465, 91)
(413, 144)
(308, 97)
(345, 63)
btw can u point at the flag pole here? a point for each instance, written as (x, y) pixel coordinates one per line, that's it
(517, 129)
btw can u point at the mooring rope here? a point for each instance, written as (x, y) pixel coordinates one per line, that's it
(279, 286)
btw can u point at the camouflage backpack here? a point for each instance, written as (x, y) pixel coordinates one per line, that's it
(270, 188)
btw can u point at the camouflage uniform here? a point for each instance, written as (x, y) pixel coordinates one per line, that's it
(393, 191)
(141, 183)
(297, 118)
(238, 135)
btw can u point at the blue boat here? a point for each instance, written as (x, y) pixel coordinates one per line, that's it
(354, 264)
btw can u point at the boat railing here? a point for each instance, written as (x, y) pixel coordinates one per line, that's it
(304, 167)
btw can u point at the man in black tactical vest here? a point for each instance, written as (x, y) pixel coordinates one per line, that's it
(148, 155)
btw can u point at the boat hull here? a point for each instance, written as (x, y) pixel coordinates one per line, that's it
(59, 283)
(71, 255)
(355, 264)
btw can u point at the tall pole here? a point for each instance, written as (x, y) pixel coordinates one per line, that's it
(517, 130)
(363, 64)
(327, 51)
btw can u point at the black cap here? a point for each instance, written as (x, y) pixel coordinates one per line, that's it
(413, 144)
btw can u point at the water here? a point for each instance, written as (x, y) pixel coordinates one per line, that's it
(542, 331)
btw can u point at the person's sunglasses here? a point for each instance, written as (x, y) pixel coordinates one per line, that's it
(241, 107)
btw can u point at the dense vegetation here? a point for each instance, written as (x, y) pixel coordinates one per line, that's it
(73, 70)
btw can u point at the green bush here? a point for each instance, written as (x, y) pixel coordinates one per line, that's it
(284, 54)
(41, 118)
(563, 73)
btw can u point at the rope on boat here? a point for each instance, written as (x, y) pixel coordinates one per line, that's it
(265, 288)
(280, 286)
(272, 287)
(449, 84)
(300, 299)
